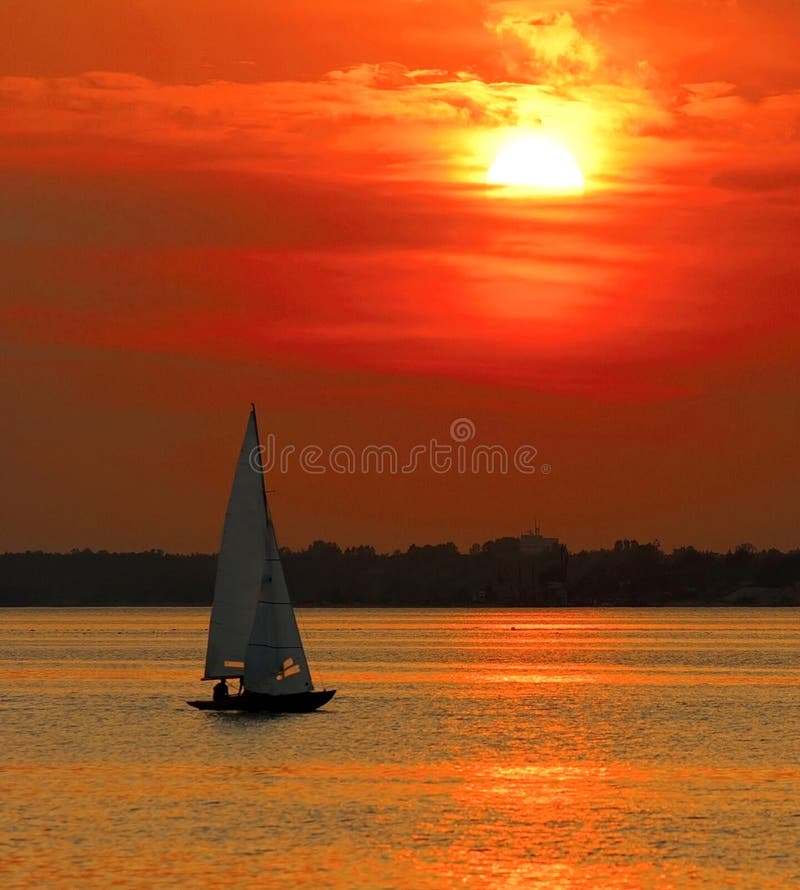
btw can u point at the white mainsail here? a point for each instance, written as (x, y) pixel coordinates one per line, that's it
(240, 566)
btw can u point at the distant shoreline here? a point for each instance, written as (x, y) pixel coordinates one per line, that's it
(499, 573)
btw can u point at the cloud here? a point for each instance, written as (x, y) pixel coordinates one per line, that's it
(616, 298)
(346, 206)
(373, 120)
(369, 120)
(545, 47)
(779, 179)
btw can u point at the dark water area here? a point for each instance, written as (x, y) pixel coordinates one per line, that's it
(465, 748)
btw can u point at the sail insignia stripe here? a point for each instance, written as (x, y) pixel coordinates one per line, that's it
(271, 646)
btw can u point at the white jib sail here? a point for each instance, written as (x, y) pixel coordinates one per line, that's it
(240, 566)
(275, 662)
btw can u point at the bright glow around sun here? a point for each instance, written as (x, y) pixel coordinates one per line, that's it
(536, 163)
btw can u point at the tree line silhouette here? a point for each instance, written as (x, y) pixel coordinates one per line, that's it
(498, 572)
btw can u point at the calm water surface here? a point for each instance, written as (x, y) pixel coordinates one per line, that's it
(485, 748)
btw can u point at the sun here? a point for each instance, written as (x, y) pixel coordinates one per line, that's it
(535, 162)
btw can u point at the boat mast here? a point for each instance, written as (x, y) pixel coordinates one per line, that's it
(258, 441)
(277, 556)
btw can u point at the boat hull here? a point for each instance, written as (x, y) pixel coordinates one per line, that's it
(297, 703)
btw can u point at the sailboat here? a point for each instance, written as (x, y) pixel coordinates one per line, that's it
(253, 634)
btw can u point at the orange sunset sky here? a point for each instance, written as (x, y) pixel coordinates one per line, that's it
(205, 204)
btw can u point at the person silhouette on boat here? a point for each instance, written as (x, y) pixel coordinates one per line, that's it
(221, 690)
